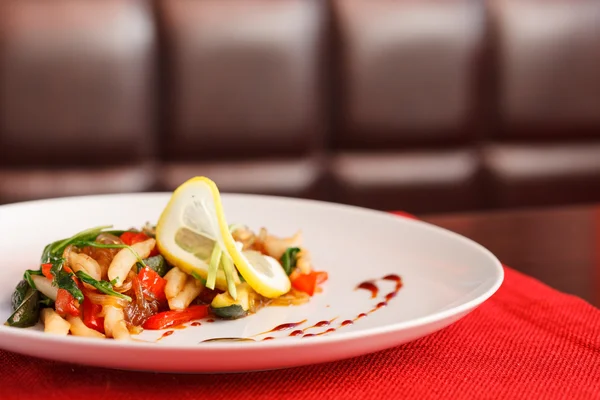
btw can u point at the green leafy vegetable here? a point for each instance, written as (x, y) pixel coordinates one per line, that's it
(289, 258)
(103, 286)
(84, 243)
(56, 249)
(27, 276)
(64, 280)
(25, 305)
(53, 254)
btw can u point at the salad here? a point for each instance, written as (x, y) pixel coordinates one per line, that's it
(109, 283)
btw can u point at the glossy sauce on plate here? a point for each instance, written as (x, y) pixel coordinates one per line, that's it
(370, 286)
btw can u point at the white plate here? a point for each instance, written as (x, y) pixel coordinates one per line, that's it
(444, 275)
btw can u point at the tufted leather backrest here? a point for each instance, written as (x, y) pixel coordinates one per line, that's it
(76, 82)
(243, 77)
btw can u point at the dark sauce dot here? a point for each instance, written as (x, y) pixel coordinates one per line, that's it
(284, 327)
(370, 286)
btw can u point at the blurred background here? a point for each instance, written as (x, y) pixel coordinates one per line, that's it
(422, 105)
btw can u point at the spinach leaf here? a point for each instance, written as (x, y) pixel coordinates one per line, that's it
(103, 286)
(63, 279)
(27, 276)
(53, 254)
(288, 259)
(26, 307)
(57, 248)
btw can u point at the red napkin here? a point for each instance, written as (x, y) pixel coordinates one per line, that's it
(526, 342)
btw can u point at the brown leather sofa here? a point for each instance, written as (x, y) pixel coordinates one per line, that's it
(421, 105)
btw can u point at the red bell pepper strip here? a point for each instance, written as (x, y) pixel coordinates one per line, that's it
(153, 283)
(305, 283)
(131, 238)
(308, 282)
(172, 318)
(90, 316)
(46, 271)
(48, 274)
(66, 304)
(322, 276)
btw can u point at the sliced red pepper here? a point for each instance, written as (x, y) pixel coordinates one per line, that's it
(172, 318)
(153, 282)
(90, 316)
(66, 304)
(322, 276)
(46, 271)
(305, 283)
(308, 282)
(131, 238)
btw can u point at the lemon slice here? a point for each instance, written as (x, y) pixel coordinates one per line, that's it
(190, 226)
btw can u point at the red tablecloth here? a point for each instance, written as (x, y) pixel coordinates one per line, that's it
(528, 341)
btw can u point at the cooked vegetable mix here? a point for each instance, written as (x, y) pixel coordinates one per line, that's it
(107, 283)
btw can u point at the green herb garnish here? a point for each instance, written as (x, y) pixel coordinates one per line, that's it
(27, 276)
(64, 280)
(56, 249)
(103, 286)
(83, 243)
(289, 258)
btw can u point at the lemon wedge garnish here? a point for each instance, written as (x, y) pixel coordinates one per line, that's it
(192, 232)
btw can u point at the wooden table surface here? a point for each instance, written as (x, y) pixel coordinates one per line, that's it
(559, 246)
